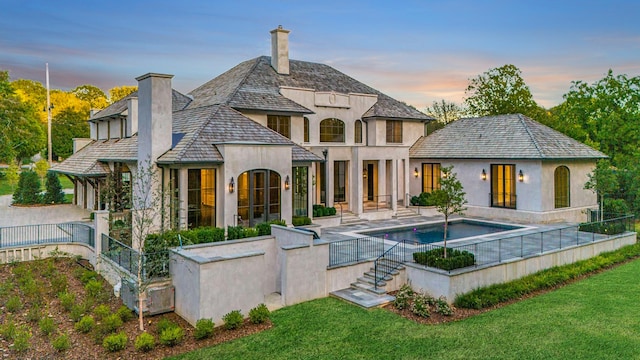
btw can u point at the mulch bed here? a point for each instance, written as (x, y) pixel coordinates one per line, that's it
(85, 346)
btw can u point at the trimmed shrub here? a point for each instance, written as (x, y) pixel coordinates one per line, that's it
(403, 297)
(124, 313)
(8, 330)
(59, 283)
(235, 232)
(101, 311)
(47, 326)
(208, 234)
(443, 307)
(204, 329)
(172, 336)
(115, 342)
(455, 259)
(28, 190)
(61, 343)
(85, 324)
(164, 324)
(67, 300)
(233, 320)
(109, 324)
(87, 275)
(54, 193)
(320, 210)
(300, 221)
(77, 312)
(420, 305)
(34, 314)
(259, 314)
(13, 304)
(95, 289)
(145, 342)
(21, 339)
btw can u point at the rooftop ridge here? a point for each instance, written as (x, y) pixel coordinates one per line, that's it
(533, 138)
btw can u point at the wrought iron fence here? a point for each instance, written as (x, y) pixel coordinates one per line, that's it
(15, 236)
(355, 250)
(154, 265)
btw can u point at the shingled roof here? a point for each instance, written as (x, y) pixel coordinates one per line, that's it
(205, 127)
(89, 161)
(119, 108)
(255, 85)
(513, 136)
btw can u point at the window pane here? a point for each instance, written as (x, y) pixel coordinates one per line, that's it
(358, 132)
(331, 130)
(306, 129)
(280, 124)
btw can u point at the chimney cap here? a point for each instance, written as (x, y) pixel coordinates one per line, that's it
(148, 75)
(280, 29)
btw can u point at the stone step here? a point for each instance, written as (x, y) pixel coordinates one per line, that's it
(369, 287)
(361, 298)
(371, 274)
(370, 281)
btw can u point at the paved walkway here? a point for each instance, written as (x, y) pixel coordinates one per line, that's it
(16, 216)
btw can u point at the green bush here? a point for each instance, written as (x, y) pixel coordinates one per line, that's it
(34, 314)
(233, 319)
(403, 297)
(14, 304)
(109, 324)
(420, 305)
(67, 300)
(77, 312)
(85, 324)
(101, 311)
(145, 342)
(164, 324)
(300, 221)
(235, 232)
(87, 275)
(8, 330)
(54, 193)
(424, 199)
(172, 336)
(28, 190)
(204, 329)
(115, 342)
(21, 339)
(59, 283)
(435, 258)
(321, 210)
(61, 343)
(259, 314)
(95, 289)
(443, 307)
(208, 235)
(47, 325)
(124, 313)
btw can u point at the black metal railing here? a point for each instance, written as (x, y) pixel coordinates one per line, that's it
(503, 200)
(16, 236)
(154, 265)
(353, 251)
(388, 262)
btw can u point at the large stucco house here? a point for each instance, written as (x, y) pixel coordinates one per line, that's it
(271, 137)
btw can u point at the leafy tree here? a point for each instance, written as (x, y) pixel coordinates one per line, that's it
(449, 199)
(21, 135)
(120, 92)
(96, 98)
(602, 181)
(444, 112)
(28, 191)
(42, 166)
(66, 125)
(31, 92)
(54, 193)
(12, 175)
(501, 91)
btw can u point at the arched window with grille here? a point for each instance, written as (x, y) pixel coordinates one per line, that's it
(358, 132)
(332, 130)
(561, 187)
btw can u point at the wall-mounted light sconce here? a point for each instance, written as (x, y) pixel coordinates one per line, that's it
(415, 172)
(520, 176)
(365, 173)
(286, 183)
(484, 175)
(232, 186)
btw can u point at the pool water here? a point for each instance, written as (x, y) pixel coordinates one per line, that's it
(426, 234)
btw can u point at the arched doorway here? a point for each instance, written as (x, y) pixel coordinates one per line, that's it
(259, 197)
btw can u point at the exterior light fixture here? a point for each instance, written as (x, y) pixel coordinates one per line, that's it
(520, 176)
(415, 172)
(484, 175)
(365, 173)
(232, 186)
(286, 183)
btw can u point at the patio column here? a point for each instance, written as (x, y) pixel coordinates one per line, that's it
(394, 185)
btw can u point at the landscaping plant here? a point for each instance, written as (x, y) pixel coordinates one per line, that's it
(145, 342)
(233, 319)
(204, 329)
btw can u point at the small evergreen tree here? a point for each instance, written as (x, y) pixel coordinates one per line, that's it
(28, 191)
(54, 194)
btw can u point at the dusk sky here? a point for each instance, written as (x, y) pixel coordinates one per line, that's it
(416, 51)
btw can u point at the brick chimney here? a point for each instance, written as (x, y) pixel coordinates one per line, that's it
(280, 50)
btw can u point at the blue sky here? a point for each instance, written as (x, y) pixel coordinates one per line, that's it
(415, 51)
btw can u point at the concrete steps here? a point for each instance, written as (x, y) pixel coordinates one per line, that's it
(404, 213)
(367, 291)
(349, 218)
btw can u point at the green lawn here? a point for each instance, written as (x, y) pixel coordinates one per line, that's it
(597, 318)
(5, 189)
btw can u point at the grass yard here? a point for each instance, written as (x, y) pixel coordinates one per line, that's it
(597, 318)
(5, 189)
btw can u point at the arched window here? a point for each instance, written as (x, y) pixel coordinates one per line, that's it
(358, 132)
(561, 186)
(306, 129)
(258, 197)
(332, 130)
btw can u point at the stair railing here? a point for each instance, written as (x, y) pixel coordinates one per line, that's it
(395, 258)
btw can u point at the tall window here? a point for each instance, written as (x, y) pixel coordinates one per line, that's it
(358, 132)
(280, 124)
(300, 197)
(503, 186)
(201, 197)
(122, 184)
(394, 131)
(331, 130)
(561, 185)
(258, 197)
(339, 181)
(430, 177)
(174, 196)
(306, 129)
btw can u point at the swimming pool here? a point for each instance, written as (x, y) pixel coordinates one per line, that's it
(430, 233)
